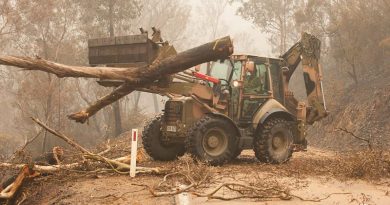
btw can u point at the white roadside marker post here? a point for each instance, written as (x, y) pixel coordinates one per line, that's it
(134, 146)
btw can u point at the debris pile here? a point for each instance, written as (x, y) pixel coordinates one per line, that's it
(185, 175)
(92, 162)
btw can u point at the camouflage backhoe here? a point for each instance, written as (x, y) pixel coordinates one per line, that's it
(217, 109)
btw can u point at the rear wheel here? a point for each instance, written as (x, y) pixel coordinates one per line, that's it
(153, 145)
(213, 140)
(274, 142)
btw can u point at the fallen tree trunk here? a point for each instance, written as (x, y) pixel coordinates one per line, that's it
(42, 168)
(133, 76)
(218, 49)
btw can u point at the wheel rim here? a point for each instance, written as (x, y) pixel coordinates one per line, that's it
(279, 142)
(215, 142)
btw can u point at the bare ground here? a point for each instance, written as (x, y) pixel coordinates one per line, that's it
(316, 175)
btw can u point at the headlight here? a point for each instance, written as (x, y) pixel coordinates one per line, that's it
(237, 83)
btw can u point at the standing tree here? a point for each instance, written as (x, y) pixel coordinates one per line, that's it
(358, 28)
(213, 11)
(209, 18)
(102, 18)
(274, 17)
(44, 31)
(109, 18)
(171, 18)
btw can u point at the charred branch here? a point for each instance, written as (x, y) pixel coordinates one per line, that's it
(368, 141)
(115, 165)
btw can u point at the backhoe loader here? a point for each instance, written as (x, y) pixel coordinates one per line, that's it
(217, 109)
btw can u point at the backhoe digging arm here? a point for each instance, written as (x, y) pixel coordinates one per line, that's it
(307, 51)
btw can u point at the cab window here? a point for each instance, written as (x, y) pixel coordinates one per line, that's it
(256, 81)
(204, 68)
(217, 69)
(237, 71)
(235, 91)
(221, 70)
(277, 82)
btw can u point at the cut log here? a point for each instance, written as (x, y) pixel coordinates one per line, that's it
(11, 189)
(42, 168)
(76, 166)
(133, 76)
(215, 50)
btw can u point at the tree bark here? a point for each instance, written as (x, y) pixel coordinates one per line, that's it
(133, 76)
(116, 105)
(118, 118)
(117, 94)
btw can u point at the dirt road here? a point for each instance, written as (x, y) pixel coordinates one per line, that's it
(303, 175)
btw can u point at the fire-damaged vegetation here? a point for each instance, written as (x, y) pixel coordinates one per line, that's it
(260, 181)
(53, 160)
(363, 116)
(370, 165)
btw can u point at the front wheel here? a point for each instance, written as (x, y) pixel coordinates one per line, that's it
(274, 142)
(155, 148)
(213, 140)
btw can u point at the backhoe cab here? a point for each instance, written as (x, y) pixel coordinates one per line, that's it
(218, 109)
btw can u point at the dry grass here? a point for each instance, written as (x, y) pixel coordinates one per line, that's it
(243, 178)
(368, 165)
(365, 165)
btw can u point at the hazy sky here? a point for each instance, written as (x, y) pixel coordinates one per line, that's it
(247, 38)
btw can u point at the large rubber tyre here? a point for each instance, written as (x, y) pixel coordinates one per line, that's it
(153, 145)
(274, 142)
(212, 140)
